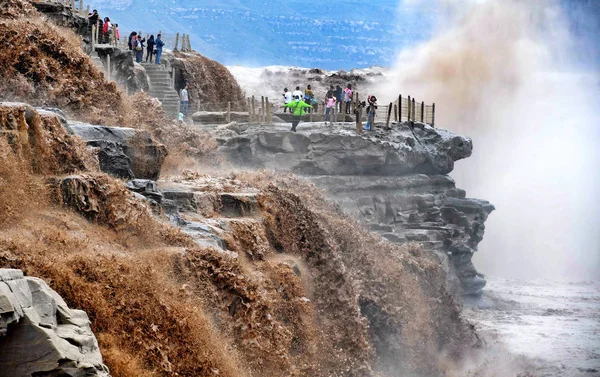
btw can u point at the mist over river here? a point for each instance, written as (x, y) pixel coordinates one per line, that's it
(555, 323)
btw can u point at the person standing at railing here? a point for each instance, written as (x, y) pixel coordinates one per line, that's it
(348, 97)
(106, 29)
(139, 49)
(338, 97)
(371, 109)
(287, 98)
(150, 48)
(117, 34)
(297, 93)
(298, 106)
(185, 100)
(159, 46)
(330, 105)
(308, 96)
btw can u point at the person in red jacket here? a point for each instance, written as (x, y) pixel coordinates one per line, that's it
(106, 29)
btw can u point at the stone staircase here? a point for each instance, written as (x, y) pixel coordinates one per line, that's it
(97, 62)
(161, 87)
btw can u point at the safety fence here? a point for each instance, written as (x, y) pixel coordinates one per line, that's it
(403, 109)
(409, 109)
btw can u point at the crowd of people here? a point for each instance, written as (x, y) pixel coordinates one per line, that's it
(110, 34)
(153, 47)
(107, 32)
(336, 99)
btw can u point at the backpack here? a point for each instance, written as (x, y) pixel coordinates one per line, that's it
(138, 46)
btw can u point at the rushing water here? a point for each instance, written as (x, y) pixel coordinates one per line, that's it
(555, 323)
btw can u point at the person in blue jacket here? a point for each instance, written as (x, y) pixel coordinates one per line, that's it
(159, 46)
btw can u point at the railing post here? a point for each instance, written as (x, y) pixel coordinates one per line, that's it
(400, 108)
(433, 115)
(389, 114)
(176, 42)
(269, 116)
(412, 107)
(253, 110)
(80, 7)
(93, 37)
(97, 30)
(359, 127)
(262, 109)
(228, 112)
(409, 110)
(422, 111)
(108, 73)
(395, 113)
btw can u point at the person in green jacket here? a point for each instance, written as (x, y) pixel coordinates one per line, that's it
(297, 106)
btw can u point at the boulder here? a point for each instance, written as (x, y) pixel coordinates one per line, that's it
(123, 152)
(40, 335)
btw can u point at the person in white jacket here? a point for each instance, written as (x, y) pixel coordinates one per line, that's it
(287, 95)
(298, 93)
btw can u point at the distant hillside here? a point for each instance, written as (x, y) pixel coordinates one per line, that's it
(329, 35)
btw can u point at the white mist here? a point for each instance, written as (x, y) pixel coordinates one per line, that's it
(500, 71)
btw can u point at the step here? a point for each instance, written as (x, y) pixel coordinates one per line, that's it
(156, 86)
(161, 81)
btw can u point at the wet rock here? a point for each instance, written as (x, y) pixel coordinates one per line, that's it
(336, 151)
(40, 335)
(123, 152)
(146, 188)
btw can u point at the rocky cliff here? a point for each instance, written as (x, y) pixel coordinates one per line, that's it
(395, 181)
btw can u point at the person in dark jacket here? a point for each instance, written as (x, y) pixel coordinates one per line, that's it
(131, 40)
(138, 46)
(150, 48)
(338, 97)
(159, 46)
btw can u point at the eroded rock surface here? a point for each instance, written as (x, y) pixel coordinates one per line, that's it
(396, 181)
(123, 152)
(40, 335)
(320, 150)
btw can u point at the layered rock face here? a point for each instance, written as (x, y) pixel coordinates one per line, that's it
(396, 181)
(40, 335)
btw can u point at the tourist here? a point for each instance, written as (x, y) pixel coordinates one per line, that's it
(297, 93)
(117, 33)
(308, 96)
(106, 29)
(139, 49)
(330, 107)
(348, 97)
(93, 17)
(132, 39)
(150, 48)
(159, 46)
(371, 109)
(184, 100)
(298, 106)
(287, 95)
(338, 97)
